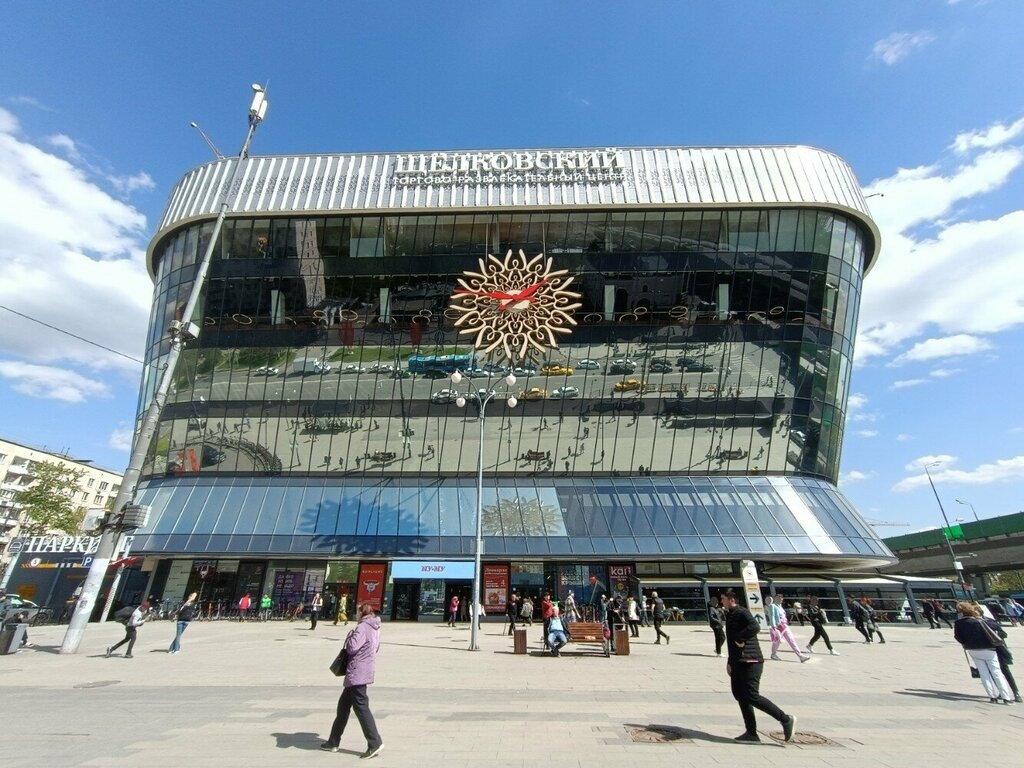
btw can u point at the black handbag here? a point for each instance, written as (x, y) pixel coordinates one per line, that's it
(970, 665)
(340, 664)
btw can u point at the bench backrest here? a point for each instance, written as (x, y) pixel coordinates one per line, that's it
(586, 631)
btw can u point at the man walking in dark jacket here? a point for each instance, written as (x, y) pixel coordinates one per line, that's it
(659, 616)
(716, 618)
(745, 665)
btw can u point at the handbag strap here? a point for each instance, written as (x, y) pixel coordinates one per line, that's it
(993, 638)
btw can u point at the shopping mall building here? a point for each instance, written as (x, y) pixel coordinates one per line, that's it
(692, 417)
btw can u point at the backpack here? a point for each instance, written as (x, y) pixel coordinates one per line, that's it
(124, 614)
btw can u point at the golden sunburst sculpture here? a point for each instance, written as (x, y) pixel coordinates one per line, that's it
(518, 304)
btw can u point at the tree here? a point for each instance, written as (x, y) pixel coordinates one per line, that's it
(49, 503)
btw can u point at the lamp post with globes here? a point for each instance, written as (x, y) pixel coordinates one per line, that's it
(945, 533)
(483, 398)
(967, 503)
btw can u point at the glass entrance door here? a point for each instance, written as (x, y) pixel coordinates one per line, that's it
(406, 602)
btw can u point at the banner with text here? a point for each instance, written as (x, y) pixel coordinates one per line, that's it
(495, 588)
(371, 584)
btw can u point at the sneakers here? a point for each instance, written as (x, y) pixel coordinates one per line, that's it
(809, 649)
(128, 656)
(371, 752)
(804, 658)
(1018, 699)
(328, 747)
(775, 657)
(108, 653)
(751, 737)
(667, 639)
(834, 652)
(788, 727)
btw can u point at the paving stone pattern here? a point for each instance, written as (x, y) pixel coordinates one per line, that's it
(261, 694)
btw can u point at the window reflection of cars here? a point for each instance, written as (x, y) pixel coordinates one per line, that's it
(698, 368)
(631, 385)
(661, 365)
(622, 366)
(267, 370)
(401, 374)
(556, 370)
(353, 368)
(476, 373)
(434, 373)
(444, 396)
(212, 456)
(588, 365)
(524, 371)
(14, 604)
(481, 394)
(564, 393)
(533, 393)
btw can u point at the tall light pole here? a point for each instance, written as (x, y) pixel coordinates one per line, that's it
(127, 515)
(483, 397)
(961, 501)
(945, 533)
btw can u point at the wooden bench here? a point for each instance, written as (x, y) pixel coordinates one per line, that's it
(589, 633)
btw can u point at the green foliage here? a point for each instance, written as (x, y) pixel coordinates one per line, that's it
(49, 502)
(257, 357)
(1005, 582)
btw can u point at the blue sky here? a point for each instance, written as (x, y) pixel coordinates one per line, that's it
(924, 99)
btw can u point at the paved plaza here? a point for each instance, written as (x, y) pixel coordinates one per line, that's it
(261, 694)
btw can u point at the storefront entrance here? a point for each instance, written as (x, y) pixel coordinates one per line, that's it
(462, 589)
(405, 604)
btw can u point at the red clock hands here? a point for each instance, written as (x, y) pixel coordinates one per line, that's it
(526, 293)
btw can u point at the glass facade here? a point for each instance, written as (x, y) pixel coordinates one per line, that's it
(710, 342)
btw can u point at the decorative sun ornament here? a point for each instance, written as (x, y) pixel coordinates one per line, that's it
(515, 303)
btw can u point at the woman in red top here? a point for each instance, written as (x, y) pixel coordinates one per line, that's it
(453, 610)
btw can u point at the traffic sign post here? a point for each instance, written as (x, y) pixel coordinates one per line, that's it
(752, 593)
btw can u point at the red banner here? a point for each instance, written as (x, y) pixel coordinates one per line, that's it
(495, 588)
(371, 584)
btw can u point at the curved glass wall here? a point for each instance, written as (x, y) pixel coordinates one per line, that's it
(715, 517)
(709, 342)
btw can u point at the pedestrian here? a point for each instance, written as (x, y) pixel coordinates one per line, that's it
(798, 612)
(818, 618)
(12, 623)
(479, 613)
(863, 620)
(571, 611)
(510, 611)
(745, 665)
(526, 611)
(779, 629)
(659, 617)
(928, 609)
(330, 606)
(633, 617)
(546, 609)
(980, 638)
(184, 616)
(131, 630)
(558, 632)
(362, 645)
(453, 610)
(941, 614)
(1005, 661)
(243, 606)
(314, 609)
(342, 610)
(716, 620)
(265, 606)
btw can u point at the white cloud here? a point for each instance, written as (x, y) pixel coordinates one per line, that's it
(29, 101)
(66, 144)
(995, 135)
(897, 46)
(121, 438)
(129, 184)
(929, 273)
(49, 383)
(855, 405)
(945, 373)
(71, 254)
(903, 437)
(904, 383)
(924, 461)
(854, 476)
(867, 433)
(948, 346)
(1002, 470)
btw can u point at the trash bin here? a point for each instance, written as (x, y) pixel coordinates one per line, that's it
(621, 640)
(519, 642)
(11, 639)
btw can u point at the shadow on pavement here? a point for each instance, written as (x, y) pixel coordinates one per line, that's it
(686, 733)
(300, 740)
(928, 693)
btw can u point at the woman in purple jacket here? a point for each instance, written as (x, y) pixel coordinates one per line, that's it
(362, 644)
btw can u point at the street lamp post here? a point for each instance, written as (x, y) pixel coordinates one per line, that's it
(945, 533)
(483, 397)
(126, 515)
(967, 503)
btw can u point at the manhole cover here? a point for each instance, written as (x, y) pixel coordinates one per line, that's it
(97, 684)
(656, 734)
(804, 739)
